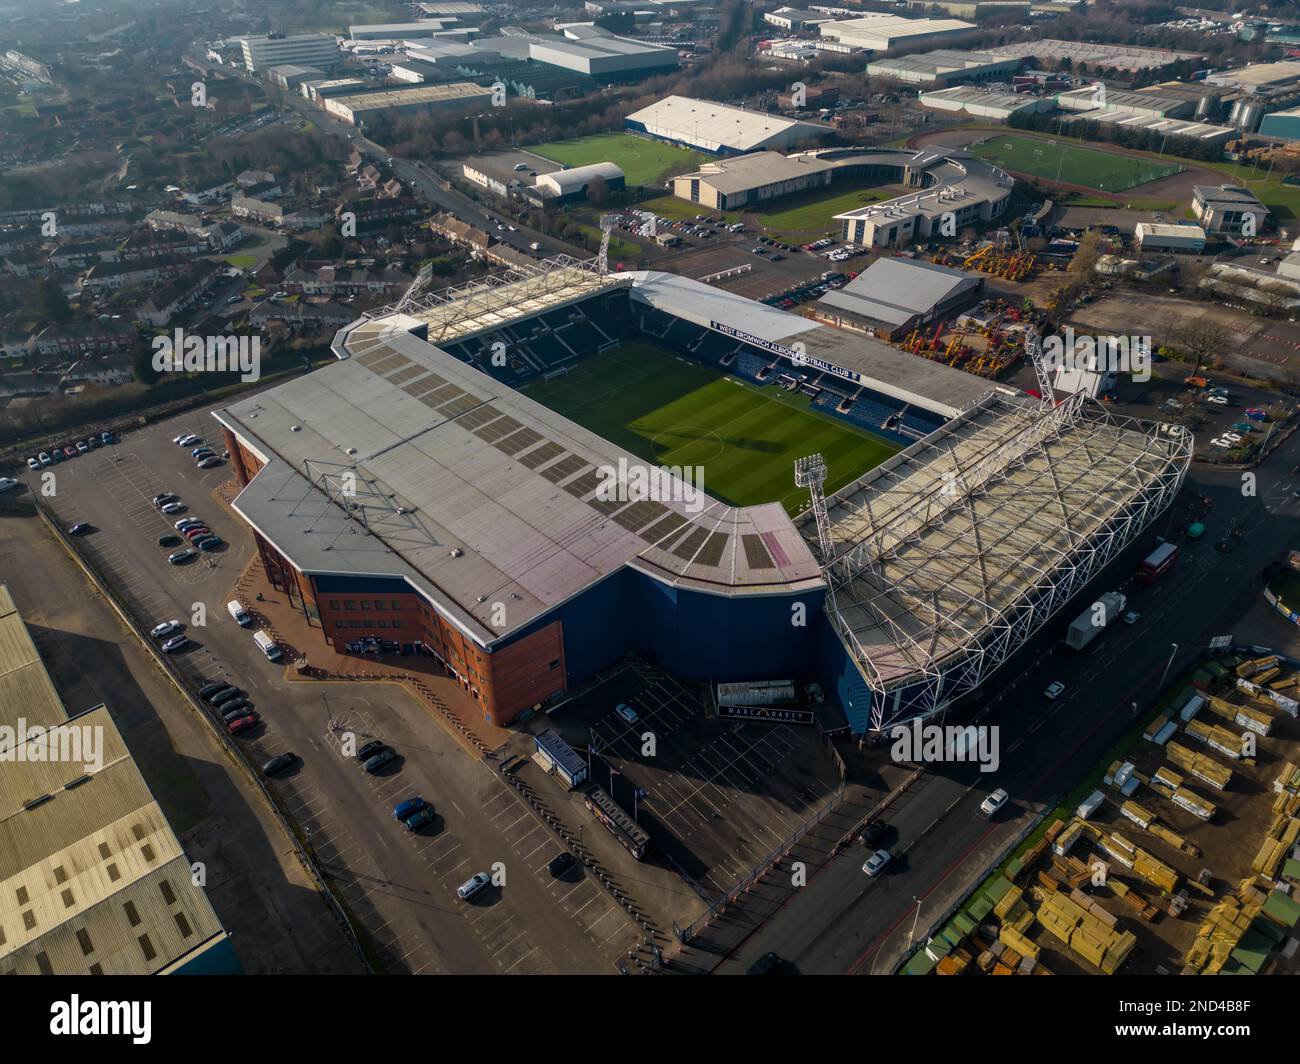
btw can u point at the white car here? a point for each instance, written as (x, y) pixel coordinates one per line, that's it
(1231, 437)
(626, 712)
(1054, 689)
(166, 628)
(1221, 442)
(174, 508)
(476, 883)
(876, 862)
(8, 483)
(188, 440)
(1218, 400)
(33, 463)
(994, 802)
(182, 437)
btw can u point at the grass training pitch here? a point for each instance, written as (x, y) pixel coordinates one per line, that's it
(643, 162)
(1060, 160)
(671, 411)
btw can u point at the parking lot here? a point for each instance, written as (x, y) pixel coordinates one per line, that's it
(400, 888)
(716, 797)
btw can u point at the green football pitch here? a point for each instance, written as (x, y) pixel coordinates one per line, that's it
(643, 162)
(671, 411)
(1059, 160)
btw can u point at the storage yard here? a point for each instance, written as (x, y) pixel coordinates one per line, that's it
(1177, 855)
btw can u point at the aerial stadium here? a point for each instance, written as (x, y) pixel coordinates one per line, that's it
(446, 485)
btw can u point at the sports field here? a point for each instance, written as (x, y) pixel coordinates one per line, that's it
(1059, 160)
(671, 411)
(643, 162)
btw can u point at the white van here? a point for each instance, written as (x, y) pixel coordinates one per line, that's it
(268, 645)
(241, 615)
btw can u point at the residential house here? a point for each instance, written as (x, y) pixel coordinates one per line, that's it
(107, 370)
(257, 209)
(114, 276)
(346, 281)
(79, 339)
(159, 309)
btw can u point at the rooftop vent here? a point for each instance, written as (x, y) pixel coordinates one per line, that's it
(456, 552)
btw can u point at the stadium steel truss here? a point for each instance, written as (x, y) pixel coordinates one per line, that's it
(949, 556)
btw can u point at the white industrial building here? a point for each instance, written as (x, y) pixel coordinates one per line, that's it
(1147, 104)
(984, 104)
(307, 49)
(1153, 236)
(945, 66)
(457, 97)
(719, 128)
(401, 31)
(572, 183)
(604, 56)
(1259, 79)
(880, 33)
(1170, 127)
(793, 18)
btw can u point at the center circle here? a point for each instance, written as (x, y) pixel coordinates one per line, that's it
(682, 435)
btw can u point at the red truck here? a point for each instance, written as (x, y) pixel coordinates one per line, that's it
(1157, 563)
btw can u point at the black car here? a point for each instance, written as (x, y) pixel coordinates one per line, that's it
(768, 964)
(79, 529)
(369, 750)
(235, 708)
(381, 760)
(169, 541)
(875, 834)
(213, 688)
(279, 763)
(560, 864)
(222, 697)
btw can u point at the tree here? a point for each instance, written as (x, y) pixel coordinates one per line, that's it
(597, 191)
(1199, 340)
(51, 303)
(142, 363)
(332, 246)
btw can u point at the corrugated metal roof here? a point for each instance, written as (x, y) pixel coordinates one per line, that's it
(894, 290)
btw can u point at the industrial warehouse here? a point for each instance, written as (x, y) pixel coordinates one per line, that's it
(413, 489)
(721, 129)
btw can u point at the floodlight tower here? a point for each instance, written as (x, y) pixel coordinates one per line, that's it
(417, 286)
(607, 223)
(810, 473)
(1034, 349)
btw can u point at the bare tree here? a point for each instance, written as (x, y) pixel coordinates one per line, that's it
(1199, 340)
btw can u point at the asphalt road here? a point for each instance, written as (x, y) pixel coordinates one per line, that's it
(845, 921)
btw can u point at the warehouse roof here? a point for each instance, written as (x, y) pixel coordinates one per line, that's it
(452, 90)
(896, 290)
(1228, 197)
(1176, 127)
(1159, 229)
(940, 61)
(741, 172)
(705, 122)
(93, 873)
(892, 27)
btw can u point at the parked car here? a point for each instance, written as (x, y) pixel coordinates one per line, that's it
(1217, 400)
(82, 446)
(279, 763)
(69, 452)
(381, 760)
(182, 556)
(166, 628)
(626, 712)
(1054, 690)
(201, 450)
(80, 528)
(238, 727)
(209, 543)
(174, 508)
(213, 687)
(44, 458)
(175, 643)
(164, 497)
(228, 693)
(106, 438)
(33, 463)
(185, 439)
(169, 541)
(210, 461)
(417, 820)
(875, 833)
(994, 802)
(187, 522)
(476, 884)
(408, 807)
(874, 864)
(369, 750)
(235, 708)
(768, 964)
(8, 483)
(1131, 617)
(561, 863)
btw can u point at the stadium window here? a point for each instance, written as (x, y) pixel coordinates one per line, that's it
(149, 952)
(113, 874)
(381, 624)
(398, 624)
(132, 916)
(348, 604)
(184, 925)
(68, 900)
(21, 895)
(96, 969)
(83, 940)
(334, 604)
(104, 851)
(146, 851)
(169, 895)
(365, 604)
(379, 604)
(43, 963)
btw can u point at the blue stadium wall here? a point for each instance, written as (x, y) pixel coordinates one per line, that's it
(690, 634)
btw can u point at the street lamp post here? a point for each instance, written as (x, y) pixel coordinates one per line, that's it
(1172, 652)
(912, 933)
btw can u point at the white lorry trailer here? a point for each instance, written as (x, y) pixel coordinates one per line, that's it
(1088, 625)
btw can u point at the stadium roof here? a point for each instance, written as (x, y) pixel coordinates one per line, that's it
(896, 290)
(880, 366)
(948, 541)
(469, 490)
(83, 844)
(705, 122)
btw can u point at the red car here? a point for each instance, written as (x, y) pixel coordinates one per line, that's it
(196, 533)
(236, 727)
(70, 452)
